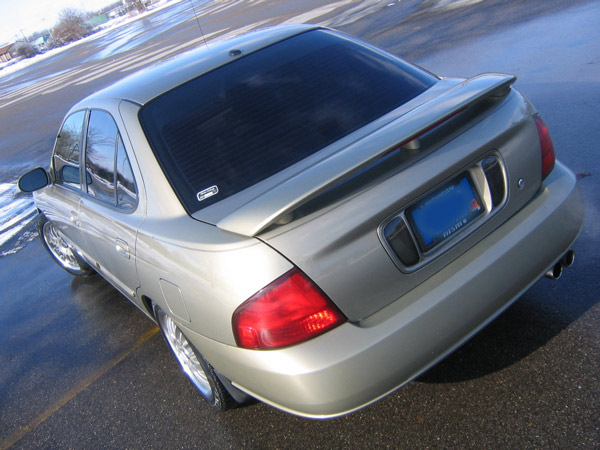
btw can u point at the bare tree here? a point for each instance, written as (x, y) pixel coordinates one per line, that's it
(138, 4)
(71, 26)
(25, 49)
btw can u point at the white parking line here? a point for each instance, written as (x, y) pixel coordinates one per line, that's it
(99, 70)
(309, 16)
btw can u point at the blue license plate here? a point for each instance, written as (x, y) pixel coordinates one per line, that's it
(445, 212)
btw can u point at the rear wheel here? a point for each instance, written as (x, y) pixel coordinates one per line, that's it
(60, 250)
(198, 370)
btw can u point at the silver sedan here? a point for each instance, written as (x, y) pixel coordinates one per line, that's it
(311, 221)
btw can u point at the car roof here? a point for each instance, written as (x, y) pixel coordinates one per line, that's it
(148, 83)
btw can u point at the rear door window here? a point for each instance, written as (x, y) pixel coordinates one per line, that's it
(109, 177)
(243, 122)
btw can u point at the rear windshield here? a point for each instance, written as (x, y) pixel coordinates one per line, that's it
(243, 122)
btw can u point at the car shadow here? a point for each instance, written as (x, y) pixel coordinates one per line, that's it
(541, 314)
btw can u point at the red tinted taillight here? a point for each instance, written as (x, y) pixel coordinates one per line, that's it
(547, 147)
(288, 311)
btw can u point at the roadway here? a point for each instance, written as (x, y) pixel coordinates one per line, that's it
(83, 368)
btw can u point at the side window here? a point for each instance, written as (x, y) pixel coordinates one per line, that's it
(67, 150)
(101, 144)
(126, 191)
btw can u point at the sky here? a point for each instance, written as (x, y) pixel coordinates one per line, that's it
(18, 17)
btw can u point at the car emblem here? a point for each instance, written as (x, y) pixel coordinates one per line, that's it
(203, 195)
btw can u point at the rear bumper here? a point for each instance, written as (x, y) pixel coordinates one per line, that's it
(356, 364)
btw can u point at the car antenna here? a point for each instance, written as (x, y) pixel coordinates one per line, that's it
(198, 22)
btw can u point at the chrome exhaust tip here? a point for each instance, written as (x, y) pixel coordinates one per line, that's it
(555, 272)
(568, 258)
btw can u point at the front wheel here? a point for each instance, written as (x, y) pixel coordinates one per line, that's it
(198, 370)
(60, 250)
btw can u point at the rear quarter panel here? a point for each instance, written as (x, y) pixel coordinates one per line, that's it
(202, 274)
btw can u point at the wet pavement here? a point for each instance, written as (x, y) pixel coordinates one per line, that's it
(82, 367)
(16, 212)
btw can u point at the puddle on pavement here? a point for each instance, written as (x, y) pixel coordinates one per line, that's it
(17, 219)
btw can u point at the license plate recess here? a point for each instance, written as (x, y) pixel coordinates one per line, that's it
(445, 212)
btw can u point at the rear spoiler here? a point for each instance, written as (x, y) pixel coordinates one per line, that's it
(261, 212)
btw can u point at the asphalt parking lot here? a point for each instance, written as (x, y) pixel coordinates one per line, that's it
(83, 368)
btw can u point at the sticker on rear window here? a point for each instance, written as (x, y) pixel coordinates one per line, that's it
(204, 194)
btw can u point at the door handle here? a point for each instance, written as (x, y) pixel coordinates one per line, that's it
(122, 248)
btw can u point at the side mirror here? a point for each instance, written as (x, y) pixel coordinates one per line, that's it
(33, 180)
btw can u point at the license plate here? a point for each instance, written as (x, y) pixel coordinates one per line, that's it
(445, 212)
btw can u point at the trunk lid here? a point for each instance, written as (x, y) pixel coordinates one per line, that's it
(331, 218)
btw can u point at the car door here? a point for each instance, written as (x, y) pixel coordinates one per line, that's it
(109, 213)
(61, 205)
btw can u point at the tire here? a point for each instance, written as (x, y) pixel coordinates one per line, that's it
(198, 370)
(63, 253)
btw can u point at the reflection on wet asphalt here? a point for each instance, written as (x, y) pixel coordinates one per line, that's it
(17, 212)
